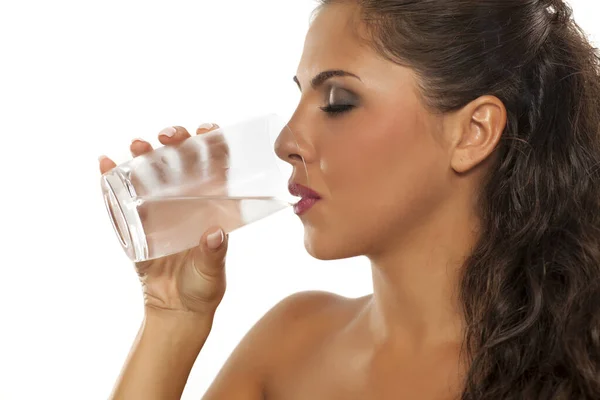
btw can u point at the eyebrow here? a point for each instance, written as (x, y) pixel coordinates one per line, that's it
(322, 77)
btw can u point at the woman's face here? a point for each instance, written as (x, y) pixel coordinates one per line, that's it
(380, 165)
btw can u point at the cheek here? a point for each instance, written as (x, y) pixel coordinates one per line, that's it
(380, 177)
(379, 162)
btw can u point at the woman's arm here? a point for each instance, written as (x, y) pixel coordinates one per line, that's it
(167, 346)
(162, 357)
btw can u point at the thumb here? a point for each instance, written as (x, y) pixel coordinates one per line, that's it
(210, 259)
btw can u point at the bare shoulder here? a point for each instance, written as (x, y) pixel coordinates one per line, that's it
(302, 322)
(294, 325)
(307, 306)
(299, 320)
(310, 315)
(312, 311)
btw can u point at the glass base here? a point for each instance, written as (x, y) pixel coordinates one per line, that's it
(119, 199)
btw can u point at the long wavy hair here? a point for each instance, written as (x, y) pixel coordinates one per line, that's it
(531, 288)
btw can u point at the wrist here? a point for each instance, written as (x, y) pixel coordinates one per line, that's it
(177, 325)
(163, 355)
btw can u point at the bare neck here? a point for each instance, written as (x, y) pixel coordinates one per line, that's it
(416, 282)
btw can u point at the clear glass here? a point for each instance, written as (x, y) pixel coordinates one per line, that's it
(162, 202)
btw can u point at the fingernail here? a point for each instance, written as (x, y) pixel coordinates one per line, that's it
(137, 140)
(207, 126)
(102, 157)
(215, 239)
(168, 132)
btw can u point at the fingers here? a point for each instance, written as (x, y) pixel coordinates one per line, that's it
(218, 151)
(219, 162)
(205, 128)
(139, 147)
(210, 260)
(173, 135)
(176, 134)
(190, 155)
(170, 136)
(106, 164)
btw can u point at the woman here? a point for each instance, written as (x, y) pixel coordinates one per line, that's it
(454, 143)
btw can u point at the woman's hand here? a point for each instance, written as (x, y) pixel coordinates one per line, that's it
(191, 283)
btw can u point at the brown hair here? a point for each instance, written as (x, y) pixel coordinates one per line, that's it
(531, 288)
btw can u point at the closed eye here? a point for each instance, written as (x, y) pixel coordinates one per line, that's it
(337, 109)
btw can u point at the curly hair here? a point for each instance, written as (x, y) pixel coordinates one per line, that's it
(531, 288)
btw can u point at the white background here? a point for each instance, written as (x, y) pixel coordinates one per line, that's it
(79, 79)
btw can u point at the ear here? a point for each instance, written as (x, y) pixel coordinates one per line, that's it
(477, 130)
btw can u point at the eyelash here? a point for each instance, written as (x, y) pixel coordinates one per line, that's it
(335, 110)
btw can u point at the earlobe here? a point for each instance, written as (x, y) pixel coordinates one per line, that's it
(482, 125)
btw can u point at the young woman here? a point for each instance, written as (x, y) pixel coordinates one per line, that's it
(456, 144)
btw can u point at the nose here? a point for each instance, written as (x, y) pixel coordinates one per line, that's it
(289, 148)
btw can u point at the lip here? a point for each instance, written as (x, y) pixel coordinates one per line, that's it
(308, 197)
(302, 191)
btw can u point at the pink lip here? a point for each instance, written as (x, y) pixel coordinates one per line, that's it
(308, 198)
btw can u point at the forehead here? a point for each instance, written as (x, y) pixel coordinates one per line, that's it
(338, 40)
(334, 41)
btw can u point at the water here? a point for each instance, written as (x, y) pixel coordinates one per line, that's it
(168, 225)
(161, 203)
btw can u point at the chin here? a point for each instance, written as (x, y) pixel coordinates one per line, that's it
(331, 246)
